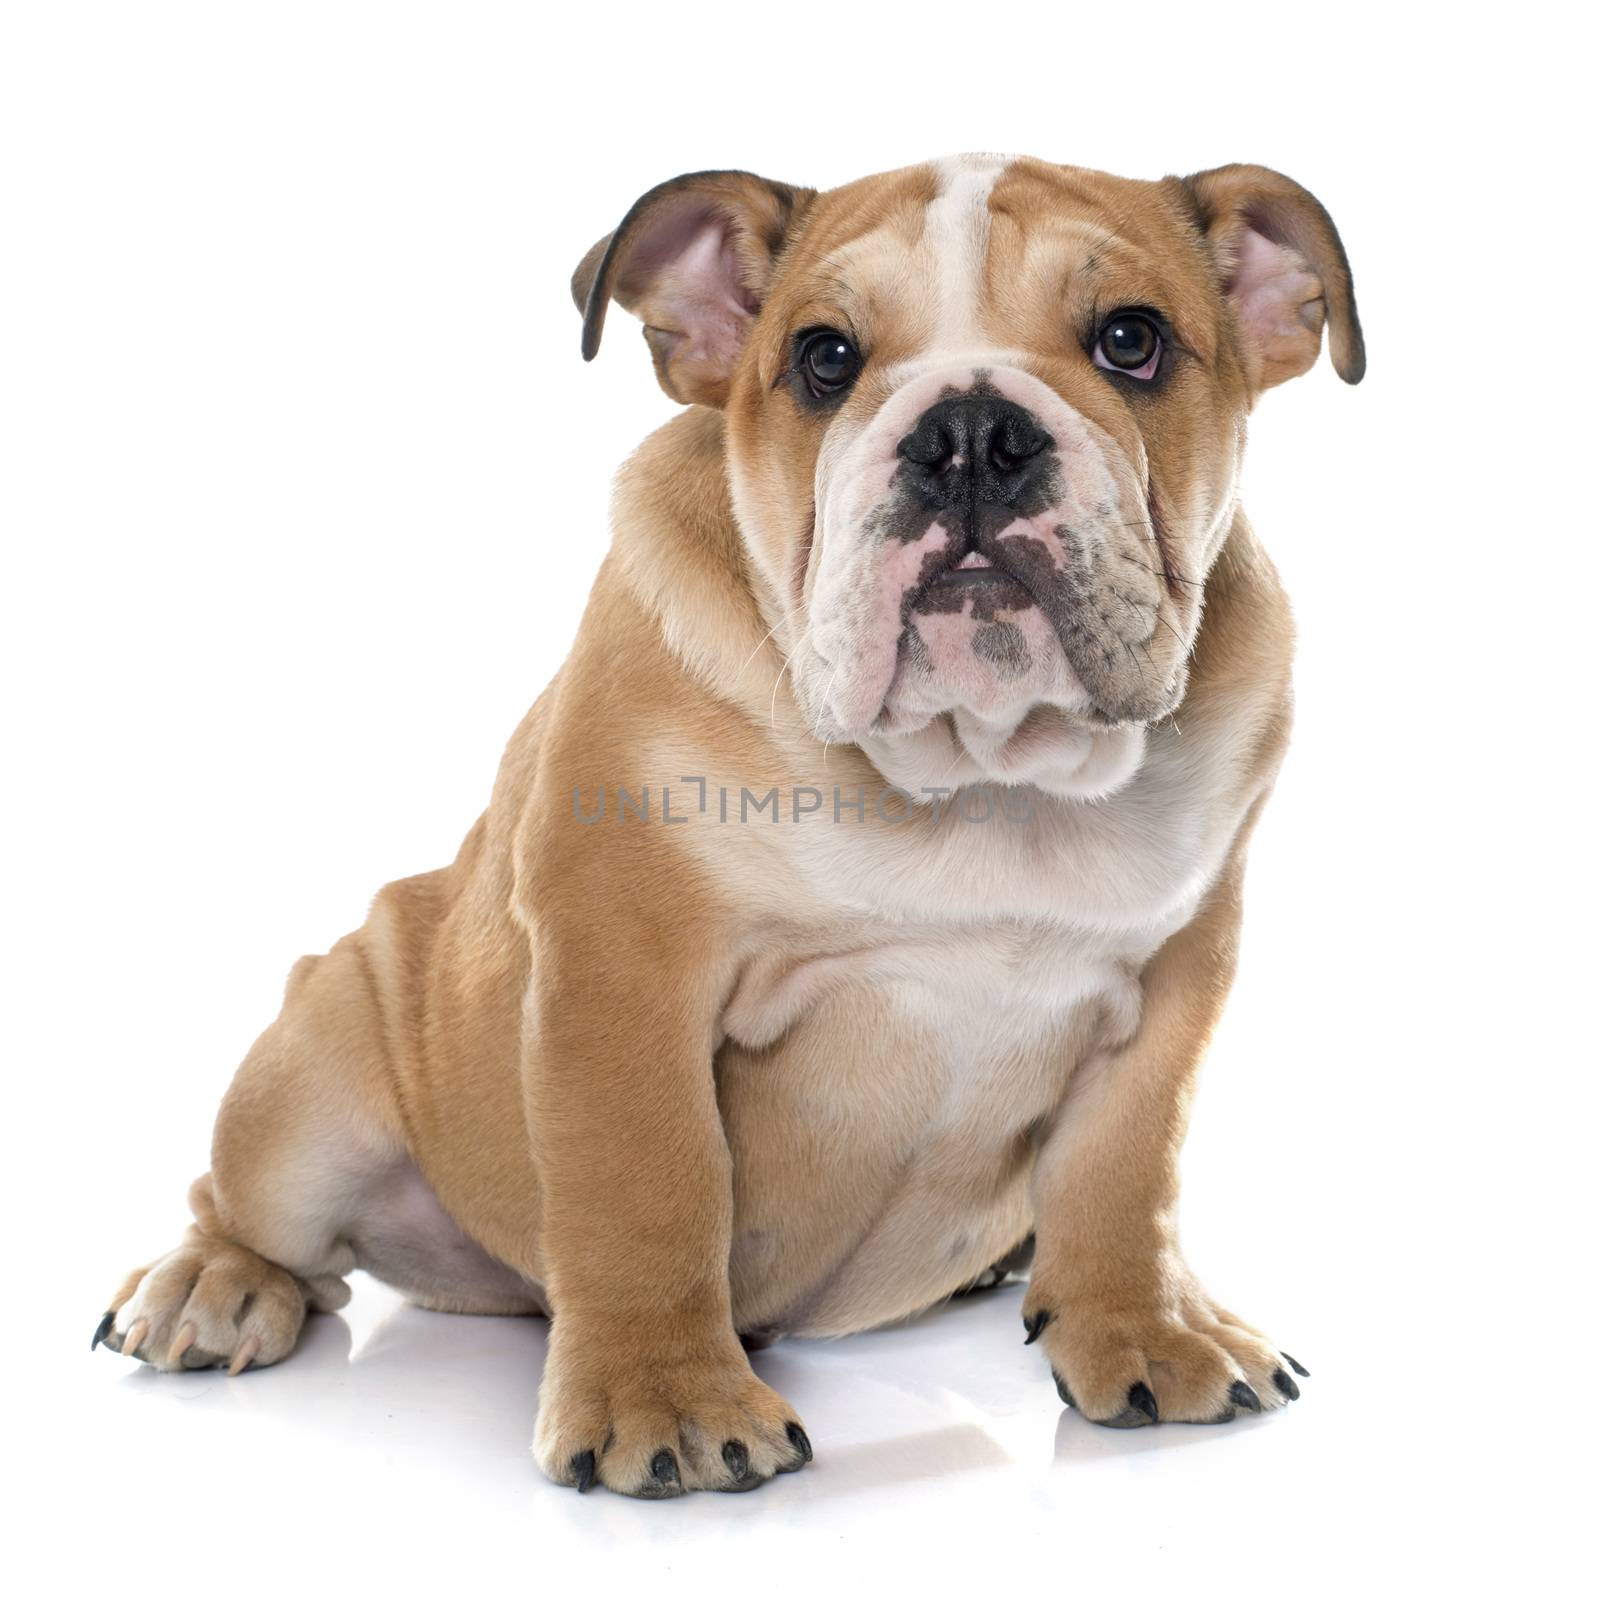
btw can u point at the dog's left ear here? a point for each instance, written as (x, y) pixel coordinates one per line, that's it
(1283, 268)
(693, 260)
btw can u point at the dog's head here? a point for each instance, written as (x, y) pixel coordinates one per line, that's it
(984, 424)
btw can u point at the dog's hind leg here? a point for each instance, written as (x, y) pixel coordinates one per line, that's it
(212, 1302)
(307, 1135)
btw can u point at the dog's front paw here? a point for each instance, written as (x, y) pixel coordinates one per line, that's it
(655, 1423)
(1127, 1364)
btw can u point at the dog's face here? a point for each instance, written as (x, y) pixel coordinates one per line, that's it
(985, 420)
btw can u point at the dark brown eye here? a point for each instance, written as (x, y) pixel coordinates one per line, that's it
(830, 362)
(1129, 342)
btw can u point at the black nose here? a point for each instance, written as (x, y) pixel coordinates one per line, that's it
(975, 448)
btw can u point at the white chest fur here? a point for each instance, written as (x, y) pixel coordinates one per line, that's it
(998, 909)
(917, 1004)
(1128, 869)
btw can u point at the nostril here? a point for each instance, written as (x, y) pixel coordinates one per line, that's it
(1014, 443)
(929, 446)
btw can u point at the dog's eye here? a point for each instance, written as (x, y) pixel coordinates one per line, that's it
(830, 362)
(1131, 343)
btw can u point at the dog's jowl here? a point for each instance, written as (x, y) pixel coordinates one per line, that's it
(947, 546)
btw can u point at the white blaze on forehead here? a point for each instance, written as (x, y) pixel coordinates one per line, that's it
(956, 231)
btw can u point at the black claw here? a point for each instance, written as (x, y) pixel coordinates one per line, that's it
(664, 1467)
(106, 1324)
(736, 1459)
(1243, 1395)
(1285, 1385)
(1063, 1390)
(582, 1466)
(1141, 1410)
(797, 1437)
(1035, 1325)
(1129, 1418)
(1140, 1397)
(1300, 1371)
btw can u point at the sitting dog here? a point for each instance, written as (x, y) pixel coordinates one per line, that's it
(851, 913)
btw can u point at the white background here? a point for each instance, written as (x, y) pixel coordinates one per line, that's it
(303, 484)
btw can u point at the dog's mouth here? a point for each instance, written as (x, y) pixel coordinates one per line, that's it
(984, 582)
(970, 577)
(973, 567)
(975, 634)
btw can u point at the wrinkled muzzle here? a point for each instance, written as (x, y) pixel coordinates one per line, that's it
(985, 600)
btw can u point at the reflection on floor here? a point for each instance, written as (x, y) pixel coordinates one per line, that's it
(404, 1434)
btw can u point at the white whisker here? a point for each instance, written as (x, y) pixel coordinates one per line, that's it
(759, 642)
(772, 719)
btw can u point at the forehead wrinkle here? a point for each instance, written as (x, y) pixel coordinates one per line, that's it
(1032, 271)
(877, 280)
(877, 304)
(895, 202)
(1083, 240)
(1031, 189)
(1111, 259)
(1089, 265)
(836, 261)
(1137, 213)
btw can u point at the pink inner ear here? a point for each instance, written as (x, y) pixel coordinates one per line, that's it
(1278, 301)
(687, 283)
(701, 290)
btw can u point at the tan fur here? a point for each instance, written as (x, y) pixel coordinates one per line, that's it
(678, 1083)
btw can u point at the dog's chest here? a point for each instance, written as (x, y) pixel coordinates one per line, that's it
(989, 934)
(891, 1063)
(927, 1042)
(968, 993)
(883, 1102)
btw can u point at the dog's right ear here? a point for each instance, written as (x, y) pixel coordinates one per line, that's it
(692, 260)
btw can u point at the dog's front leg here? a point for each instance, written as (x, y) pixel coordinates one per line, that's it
(1130, 1334)
(647, 1389)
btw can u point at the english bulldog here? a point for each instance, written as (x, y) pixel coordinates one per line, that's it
(851, 913)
